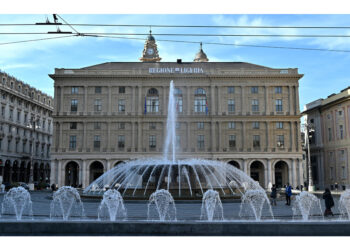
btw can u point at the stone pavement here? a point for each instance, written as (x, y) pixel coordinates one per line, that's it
(186, 210)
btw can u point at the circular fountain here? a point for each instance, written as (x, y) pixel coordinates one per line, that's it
(161, 206)
(344, 205)
(112, 206)
(305, 205)
(211, 206)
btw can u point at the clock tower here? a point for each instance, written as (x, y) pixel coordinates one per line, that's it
(150, 51)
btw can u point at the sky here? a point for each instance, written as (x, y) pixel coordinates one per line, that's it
(325, 72)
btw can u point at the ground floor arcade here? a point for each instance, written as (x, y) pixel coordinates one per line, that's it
(267, 171)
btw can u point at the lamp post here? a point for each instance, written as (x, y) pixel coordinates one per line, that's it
(32, 125)
(309, 130)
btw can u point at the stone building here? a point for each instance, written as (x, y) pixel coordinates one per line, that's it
(330, 143)
(241, 113)
(25, 132)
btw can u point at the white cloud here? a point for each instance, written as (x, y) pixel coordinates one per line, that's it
(17, 66)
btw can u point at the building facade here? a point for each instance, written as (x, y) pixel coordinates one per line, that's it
(330, 143)
(244, 114)
(25, 132)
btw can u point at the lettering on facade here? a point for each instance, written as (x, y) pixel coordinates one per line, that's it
(177, 70)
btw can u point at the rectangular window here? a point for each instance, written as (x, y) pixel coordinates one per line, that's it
(97, 142)
(178, 101)
(341, 130)
(231, 125)
(121, 105)
(98, 90)
(343, 172)
(256, 141)
(255, 105)
(97, 125)
(73, 125)
(3, 111)
(278, 90)
(280, 140)
(232, 141)
(72, 142)
(121, 125)
(11, 114)
(152, 125)
(121, 141)
(200, 125)
(200, 104)
(231, 105)
(121, 90)
(200, 141)
(255, 125)
(331, 174)
(18, 116)
(178, 125)
(152, 141)
(279, 107)
(74, 105)
(279, 125)
(75, 90)
(254, 90)
(231, 90)
(153, 104)
(98, 105)
(178, 142)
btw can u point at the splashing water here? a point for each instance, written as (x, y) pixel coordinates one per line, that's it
(66, 202)
(211, 206)
(112, 206)
(170, 140)
(344, 204)
(255, 200)
(162, 203)
(17, 201)
(306, 204)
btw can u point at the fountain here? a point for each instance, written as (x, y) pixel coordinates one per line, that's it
(17, 201)
(252, 203)
(66, 202)
(344, 204)
(211, 206)
(161, 204)
(112, 206)
(306, 204)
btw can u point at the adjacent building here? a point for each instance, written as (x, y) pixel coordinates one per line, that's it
(241, 113)
(330, 143)
(25, 132)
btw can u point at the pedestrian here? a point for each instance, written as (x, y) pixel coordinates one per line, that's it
(329, 202)
(288, 194)
(273, 195)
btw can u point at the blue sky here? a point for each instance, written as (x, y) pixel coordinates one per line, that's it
(325, 72)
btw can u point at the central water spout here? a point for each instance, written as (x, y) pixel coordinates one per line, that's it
(170, 139)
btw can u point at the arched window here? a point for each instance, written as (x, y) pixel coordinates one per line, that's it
(200, 101)
(178, 99)
(152, 101)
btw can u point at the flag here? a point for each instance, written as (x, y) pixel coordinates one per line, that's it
(145, 105)
(206, 107)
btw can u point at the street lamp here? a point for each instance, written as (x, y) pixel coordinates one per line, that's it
(33, 125)
(309, 131)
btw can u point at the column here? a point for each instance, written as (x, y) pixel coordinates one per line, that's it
(296, 111)
(290, 175)
(59, 174)
(292, 136)
(108, 165)
(140, 104)
(81, 174)
(60, 146)
(294, 166)
(188, 124)
(267, 135)
(290, 97)
(53, 176)
(108, 137)
(301, 171)
(212, 108)
(85, 99)
(109, 104)
(219, 102)
(244, 136)
(61, 99)
(133, 100)
(189, 105)
(165, 110)
(220, 139)
(245, 167)
(243, 108)
(132, 136)
(84, 174)
(213, 148)
(139, 136)
(269, 171)
(267, 103)
(84, 137)
(266, 178)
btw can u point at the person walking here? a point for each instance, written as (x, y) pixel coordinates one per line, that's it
(288, 194)
(273, 195)
(329, 202)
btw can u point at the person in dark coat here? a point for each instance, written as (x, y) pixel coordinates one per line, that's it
(329, 202)
(288, 194)
(273, 195)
